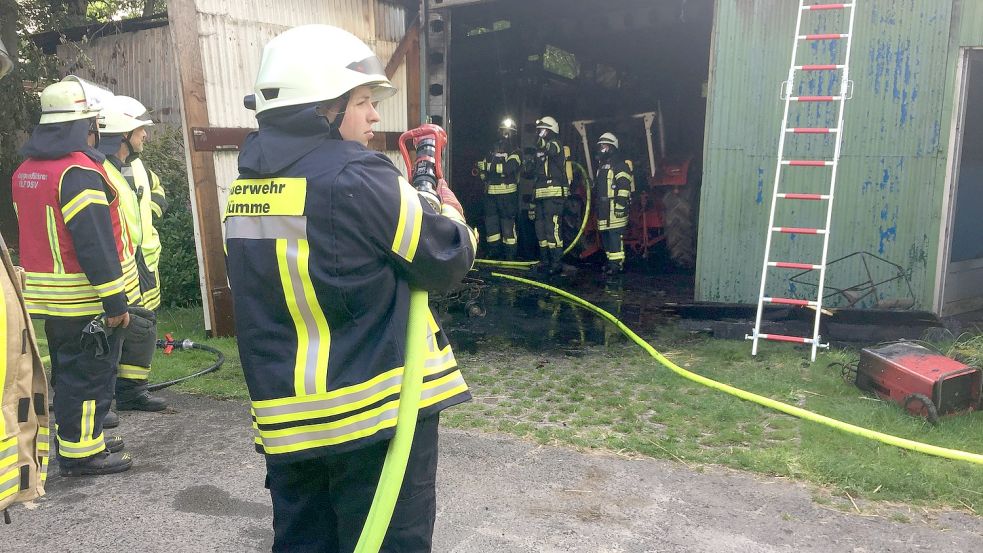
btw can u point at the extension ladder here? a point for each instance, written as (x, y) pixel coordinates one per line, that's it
(804, 164)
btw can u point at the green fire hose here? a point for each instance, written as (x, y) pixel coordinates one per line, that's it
(394, 468)
(888, 439)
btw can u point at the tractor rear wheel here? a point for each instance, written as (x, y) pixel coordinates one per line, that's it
(679, 222)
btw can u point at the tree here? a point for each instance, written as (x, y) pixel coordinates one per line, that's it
(19, 110)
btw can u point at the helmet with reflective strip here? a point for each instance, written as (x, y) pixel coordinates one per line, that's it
(5, 63)
(123, 114)
(508, 125)
(71, 99)
(548, 123)
(314, 63)
(608, 138)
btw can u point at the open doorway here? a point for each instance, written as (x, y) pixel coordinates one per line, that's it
(963, 263)
(581, 61)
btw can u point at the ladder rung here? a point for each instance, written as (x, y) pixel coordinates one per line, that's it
(798, 230)
(824, 36)
(783, 338)
(791, 265)
(806, 162)
(820, 67)
(815, 98)
(790, 301)
(811, 130)
(800, 196)
(817, 7)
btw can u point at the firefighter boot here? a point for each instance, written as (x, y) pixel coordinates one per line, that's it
(103, 462)
(495, 250)
(556, 263)
(142, 402)
(510, 252)
(613, 268)
(544, 260)
(114, 444)
(111, 420)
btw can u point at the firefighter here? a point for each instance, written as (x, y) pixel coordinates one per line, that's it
(123, 131)
(78, 265)
(324, 239)
(500, 173)
(614, 184)
(550, 193)
(23, 436)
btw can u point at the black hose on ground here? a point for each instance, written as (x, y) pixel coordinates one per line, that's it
(188, 344)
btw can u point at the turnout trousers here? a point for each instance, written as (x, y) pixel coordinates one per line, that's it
(83, 388)
(548, 213)
(612, 240)
(500, 213)
(134, 362)
(320, 505)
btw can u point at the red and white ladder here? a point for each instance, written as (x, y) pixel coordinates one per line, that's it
(777, 195)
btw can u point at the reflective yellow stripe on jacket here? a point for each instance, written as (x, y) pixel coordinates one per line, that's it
(72, 295)
(297, 419)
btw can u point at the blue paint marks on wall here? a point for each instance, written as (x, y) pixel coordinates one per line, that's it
(761, 186)
(890, 233)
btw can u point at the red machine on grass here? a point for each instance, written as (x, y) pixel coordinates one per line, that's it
(923, 382)
(663, 206)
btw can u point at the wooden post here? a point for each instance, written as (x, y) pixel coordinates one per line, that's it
(183, 18)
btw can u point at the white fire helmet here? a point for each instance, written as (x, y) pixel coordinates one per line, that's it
(71, 99)
(508, 125)
(608, 138)
(548, 123)
(314, 63)
(123, 114)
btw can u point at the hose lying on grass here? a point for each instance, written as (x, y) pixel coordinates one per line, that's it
(755, 398)
(188, 344)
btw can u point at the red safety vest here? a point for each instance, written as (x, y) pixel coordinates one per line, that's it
(56, 284)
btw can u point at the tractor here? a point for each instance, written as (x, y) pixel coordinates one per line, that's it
(664, 203)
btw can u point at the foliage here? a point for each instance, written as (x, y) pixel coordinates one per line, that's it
(164, 154)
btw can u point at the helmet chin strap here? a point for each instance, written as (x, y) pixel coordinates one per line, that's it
(129, 146)
(334, 124)
(94, 129)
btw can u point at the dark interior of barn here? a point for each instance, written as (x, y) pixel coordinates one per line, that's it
(600, 61)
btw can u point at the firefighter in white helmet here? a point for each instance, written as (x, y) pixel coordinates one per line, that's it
(79, 265)
(325, 238)
(550, 193)
(614, 183)
(500, 173)
(123, 132)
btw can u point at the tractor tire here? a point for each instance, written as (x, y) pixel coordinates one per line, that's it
(680, 224)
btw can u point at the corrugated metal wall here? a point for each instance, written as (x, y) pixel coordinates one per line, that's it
(232, 36)
(139, 64)
(891, 181)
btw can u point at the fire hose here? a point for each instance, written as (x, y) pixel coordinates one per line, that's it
(588, 184)
(168, 344)
(427, 172)
(888, 439)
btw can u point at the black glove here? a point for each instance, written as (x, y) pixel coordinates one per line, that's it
(95, 339)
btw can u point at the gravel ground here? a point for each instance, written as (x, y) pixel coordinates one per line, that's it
(197, 486)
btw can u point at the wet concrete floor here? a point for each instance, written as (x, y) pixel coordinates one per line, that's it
(490, 309)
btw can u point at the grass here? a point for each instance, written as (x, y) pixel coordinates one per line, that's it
(616, 398)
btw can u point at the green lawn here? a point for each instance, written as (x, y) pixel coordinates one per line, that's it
(617, 398)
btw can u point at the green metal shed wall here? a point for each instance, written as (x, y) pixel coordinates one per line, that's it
(892, 175)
